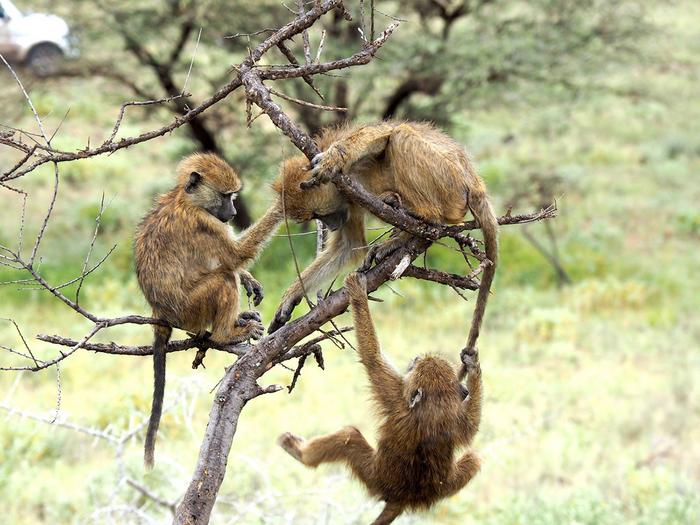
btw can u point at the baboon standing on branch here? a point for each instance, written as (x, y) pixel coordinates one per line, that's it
(427, 414)
(420, 166)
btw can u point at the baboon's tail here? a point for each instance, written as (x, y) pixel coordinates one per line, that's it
(162, 336)
(483, 213)
(389, 514)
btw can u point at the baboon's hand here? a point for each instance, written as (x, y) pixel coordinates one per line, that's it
(470, 358)
(253, 287)
(292, 444)
(283, 314)
(252, 323)
(392, 198)
(328, 163)
(377, 253)
(356, 285)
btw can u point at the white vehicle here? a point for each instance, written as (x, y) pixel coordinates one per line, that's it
(35, 39)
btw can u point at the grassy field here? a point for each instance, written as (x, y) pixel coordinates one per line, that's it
(592, 390)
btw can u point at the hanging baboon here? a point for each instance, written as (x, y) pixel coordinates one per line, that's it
(426, 415)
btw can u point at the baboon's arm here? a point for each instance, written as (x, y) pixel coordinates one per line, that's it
(344, 246)
(386, 383)
(470, 417)
(367, 141)
(240, 251)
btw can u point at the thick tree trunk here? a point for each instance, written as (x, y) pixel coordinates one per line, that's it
(198, 502)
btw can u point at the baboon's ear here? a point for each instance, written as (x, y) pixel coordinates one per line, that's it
(416, 397)
(192, 182)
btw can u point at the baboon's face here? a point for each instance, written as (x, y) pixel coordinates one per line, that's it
(210, 183)
(222, 205)
(322, 202)
(217, 202)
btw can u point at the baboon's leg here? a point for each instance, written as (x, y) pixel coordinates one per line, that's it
(348, 445)
(465, 469)
(389, 514)
(367, 141)
(215, 299)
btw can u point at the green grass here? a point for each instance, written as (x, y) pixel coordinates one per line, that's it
(592, 400)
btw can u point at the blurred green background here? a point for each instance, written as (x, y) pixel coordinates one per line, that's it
(590, 347)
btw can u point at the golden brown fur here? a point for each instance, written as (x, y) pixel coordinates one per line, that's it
(189, 264)
(431, 174)
(426, 415)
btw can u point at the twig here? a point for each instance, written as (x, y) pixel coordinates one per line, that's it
(173, 346)
(62, 355)
(292, 60)
(297, 373)
(122, 111)
(337, 109)
(70, 426)
(147, 493)
(189, 69)
(255, 33)
(58, 394)
(21, 336)
(436, 276)
(28, 99)
(89, 252)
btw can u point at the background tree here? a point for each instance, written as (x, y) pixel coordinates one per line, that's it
(146, 47)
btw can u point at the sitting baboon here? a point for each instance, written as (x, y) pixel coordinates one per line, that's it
(189, 264)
